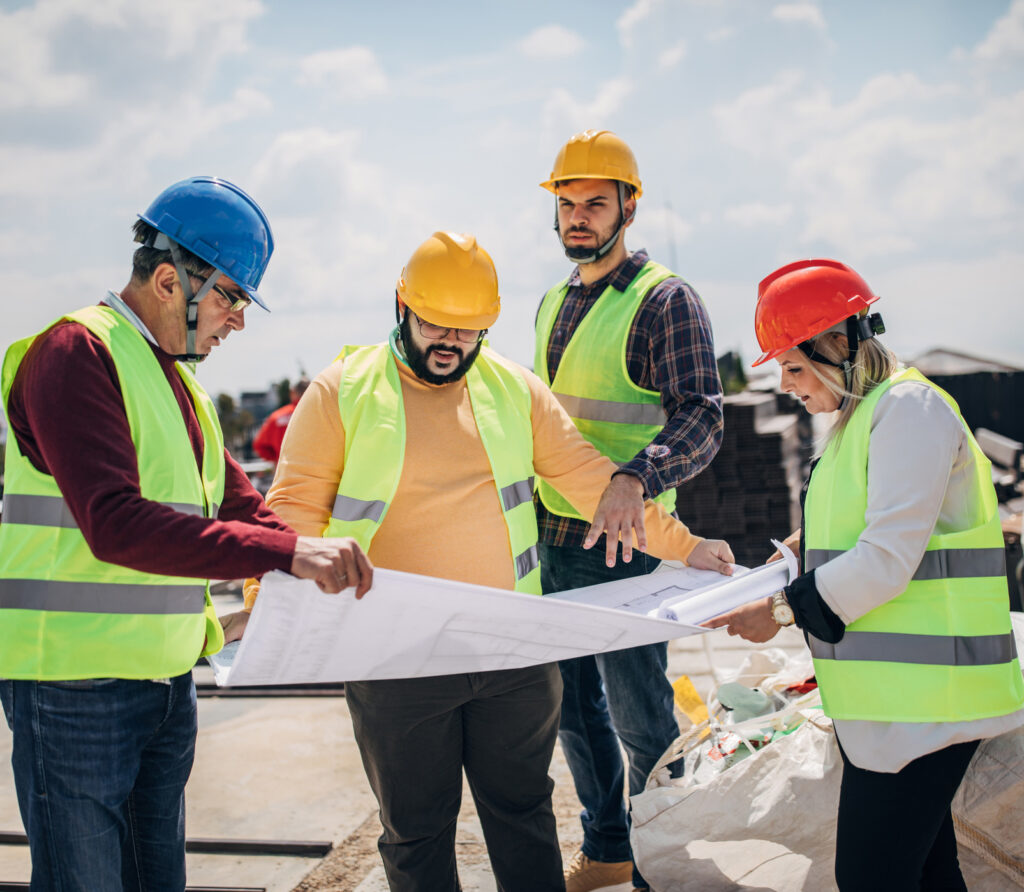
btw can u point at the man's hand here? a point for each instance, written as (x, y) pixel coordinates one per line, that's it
(234, 625)
(334, 564)
(620, 513)
(712, 554)
(752, 621)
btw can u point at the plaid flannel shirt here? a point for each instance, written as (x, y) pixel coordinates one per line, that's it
(671, 350)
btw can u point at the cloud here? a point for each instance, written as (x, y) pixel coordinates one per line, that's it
(891, 169)
(1005, 41)
(563, 113)
(632, 17)
(660, 229)
(671, 57)
(799, 13)
(57, 53)
(551, 42)
(757, 214)
(350, 73)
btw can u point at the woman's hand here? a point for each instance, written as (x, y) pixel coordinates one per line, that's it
(792, 542)
(752, 621)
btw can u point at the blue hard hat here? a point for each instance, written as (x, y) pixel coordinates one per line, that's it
(219, 223)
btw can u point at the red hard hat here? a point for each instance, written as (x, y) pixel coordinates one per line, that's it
(803, 299)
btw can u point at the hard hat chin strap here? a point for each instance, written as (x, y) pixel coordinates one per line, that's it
(858, 328)
(162, 243)
(585, 255)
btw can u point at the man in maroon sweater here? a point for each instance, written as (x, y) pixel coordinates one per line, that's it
(101, 763)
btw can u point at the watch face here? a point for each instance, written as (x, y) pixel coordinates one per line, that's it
(782, 613)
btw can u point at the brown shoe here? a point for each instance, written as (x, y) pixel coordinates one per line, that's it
(582, 874)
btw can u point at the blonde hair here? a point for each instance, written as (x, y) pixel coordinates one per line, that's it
(873, 364)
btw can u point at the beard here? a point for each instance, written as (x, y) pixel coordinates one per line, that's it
(417, 358)
(582, 252)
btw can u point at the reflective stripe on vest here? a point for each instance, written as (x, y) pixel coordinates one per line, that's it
(943, 649)
(943, 563)
(593, 383)
(100, 597)
(938, 650)
(52, 511)
(373, 416)
(63, 613)
(606, 410)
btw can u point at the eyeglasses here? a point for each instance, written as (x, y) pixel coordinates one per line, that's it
(436, 332)
(236, 300)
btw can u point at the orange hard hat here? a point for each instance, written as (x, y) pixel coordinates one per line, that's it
(450, 280)
(803, 299)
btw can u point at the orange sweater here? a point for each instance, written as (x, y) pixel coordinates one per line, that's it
(445, 519)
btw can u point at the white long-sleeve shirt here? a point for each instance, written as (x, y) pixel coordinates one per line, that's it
(921, 479)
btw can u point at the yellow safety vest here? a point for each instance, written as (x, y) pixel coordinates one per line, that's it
(943, 649)
(593, 383)
(63, 613)
(373, 415)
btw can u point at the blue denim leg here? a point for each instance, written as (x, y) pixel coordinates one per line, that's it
(623, 696)
(100, 768)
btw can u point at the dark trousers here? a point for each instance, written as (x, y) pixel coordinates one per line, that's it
(416, 736)
(610, 697)
(895, 831)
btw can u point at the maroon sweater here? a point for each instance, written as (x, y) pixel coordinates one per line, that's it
(67, 411)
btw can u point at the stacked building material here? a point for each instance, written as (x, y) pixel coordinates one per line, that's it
(750, 493)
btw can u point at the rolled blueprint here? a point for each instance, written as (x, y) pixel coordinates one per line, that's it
(699, 605)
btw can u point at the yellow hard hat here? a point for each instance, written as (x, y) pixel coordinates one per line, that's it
(595, 155)
(450, 280)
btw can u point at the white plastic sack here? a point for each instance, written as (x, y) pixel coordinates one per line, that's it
(988, 809)
(767, 822)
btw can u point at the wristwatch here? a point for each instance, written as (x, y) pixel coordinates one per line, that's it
(782, 613)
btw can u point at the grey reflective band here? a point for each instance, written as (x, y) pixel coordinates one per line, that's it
(933, 650)
(606, 410)
(527, 562)
(41, 511)
(516, 493)
(101, 597)
(944, 563)
(347, 508)
(182, 508)
(52, 511)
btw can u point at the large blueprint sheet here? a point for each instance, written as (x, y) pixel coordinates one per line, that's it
(409, 625)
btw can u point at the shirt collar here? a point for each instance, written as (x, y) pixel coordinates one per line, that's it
(114, 301)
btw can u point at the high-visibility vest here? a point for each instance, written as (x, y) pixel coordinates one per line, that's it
(63, 613)
(373, 415)
(593, 383)
(943, 649)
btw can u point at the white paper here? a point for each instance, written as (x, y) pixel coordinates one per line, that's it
(408, 626)
(741, 588)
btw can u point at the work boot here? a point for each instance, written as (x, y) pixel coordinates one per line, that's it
(582, 874)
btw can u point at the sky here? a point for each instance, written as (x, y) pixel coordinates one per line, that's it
(886, 135)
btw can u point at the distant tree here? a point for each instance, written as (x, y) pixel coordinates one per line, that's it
(236, 423)
(284, 392)
(732, 373)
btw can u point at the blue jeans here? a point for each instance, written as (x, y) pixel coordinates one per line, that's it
(100, 767)
(622, 695)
